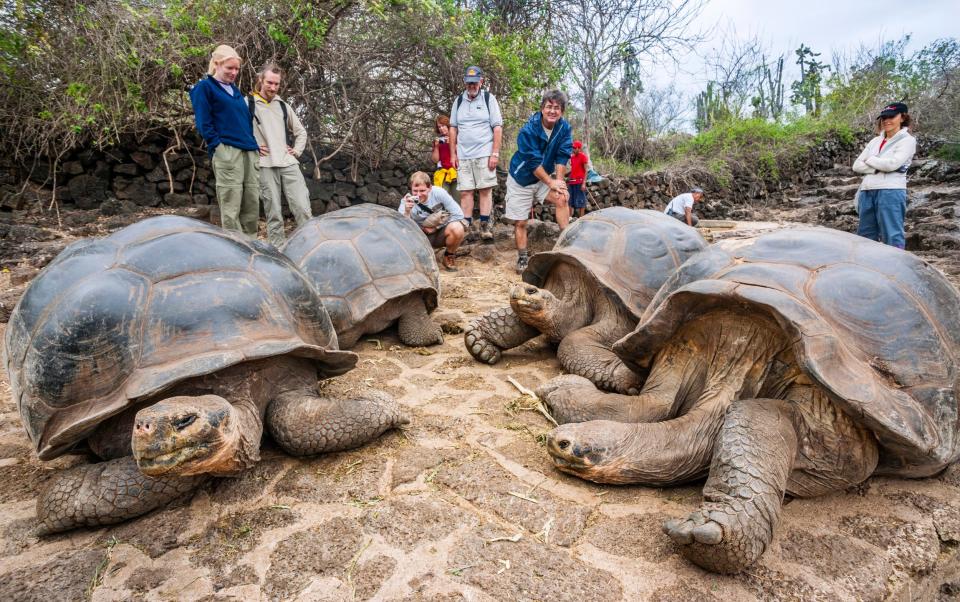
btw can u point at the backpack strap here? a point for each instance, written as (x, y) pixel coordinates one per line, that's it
(486, 100)
(286, 128)
(252, 106)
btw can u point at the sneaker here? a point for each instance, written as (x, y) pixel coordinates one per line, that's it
(522, 262)
(447, 261)
(486, 232)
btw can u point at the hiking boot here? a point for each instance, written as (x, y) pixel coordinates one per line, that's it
(447, 261)
(472, 234)
(486, 232)
(522, 263)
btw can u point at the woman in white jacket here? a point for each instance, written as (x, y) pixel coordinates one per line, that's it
(882, 198)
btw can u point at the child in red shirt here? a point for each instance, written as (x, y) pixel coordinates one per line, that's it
(577, 180)
(446, 175)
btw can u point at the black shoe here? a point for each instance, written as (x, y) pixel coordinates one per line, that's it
(522, 263)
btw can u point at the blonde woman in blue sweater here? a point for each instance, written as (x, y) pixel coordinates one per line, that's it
(223, 119)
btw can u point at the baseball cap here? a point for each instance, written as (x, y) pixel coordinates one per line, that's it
(893, 109)
(473, 74)
(696, 190)
(577, 144)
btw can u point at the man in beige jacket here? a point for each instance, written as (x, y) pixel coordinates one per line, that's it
(273, 123)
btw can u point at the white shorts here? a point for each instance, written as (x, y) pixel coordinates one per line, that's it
(520, 199)
(473, 174)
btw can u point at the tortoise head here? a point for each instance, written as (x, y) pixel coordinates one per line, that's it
(596, 451)
(535, 306)
(187, 436)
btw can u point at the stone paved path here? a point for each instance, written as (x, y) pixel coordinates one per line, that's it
(462, 505)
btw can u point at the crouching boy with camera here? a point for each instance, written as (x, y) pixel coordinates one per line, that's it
(437, 214)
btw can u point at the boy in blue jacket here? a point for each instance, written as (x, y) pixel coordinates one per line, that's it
(223, 119)
(544, 145)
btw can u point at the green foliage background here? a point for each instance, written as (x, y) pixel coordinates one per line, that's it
(364, 74)
(369, 76)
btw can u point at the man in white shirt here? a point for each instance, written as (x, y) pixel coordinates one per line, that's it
(280, 176)
(476, 131)
(681, 206)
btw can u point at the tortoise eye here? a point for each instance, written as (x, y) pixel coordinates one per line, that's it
(184, 421)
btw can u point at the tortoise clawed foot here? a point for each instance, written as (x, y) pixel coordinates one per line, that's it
(714, 540)
(480, 348)
(568, 398)
(561, 383)
(694, 528)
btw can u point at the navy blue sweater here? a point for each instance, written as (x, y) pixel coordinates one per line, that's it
(221, 118)
(533, 149)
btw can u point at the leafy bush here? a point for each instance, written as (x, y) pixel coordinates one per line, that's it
(368, 76)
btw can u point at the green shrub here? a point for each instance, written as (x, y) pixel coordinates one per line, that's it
(949, 151)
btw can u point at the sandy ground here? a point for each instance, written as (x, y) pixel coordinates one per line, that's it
(463, 504)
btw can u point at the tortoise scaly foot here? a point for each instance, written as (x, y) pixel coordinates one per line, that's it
(109, 492)
(304, 424)
(573, 398)
(743, 495)
(498, 329)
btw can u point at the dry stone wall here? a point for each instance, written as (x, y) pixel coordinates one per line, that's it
(156, 173)
(152, 173)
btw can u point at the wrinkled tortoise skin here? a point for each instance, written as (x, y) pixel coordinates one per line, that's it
(875, 326)
(118, 319)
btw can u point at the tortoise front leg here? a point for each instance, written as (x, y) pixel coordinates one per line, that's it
(415, 327)
(304, 424)
(498, 329)
(584, 352)
(676, 373)
(106, 493)
(743, 496)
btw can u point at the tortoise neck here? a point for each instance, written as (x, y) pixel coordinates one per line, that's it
(712, 361)
(573, 302)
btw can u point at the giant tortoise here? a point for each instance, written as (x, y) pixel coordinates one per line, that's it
(372, 267)
(802, 361)
(588, 292)
(164, 348)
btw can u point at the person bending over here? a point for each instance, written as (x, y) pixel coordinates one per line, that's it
(437, 214)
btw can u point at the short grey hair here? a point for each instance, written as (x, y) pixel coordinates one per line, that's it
(554, 96)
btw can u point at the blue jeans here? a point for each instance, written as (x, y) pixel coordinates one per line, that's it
(578, 198)
(881, 215)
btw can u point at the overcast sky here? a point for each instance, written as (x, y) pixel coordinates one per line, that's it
(824, 25)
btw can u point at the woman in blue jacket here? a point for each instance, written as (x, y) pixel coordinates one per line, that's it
(223, 119)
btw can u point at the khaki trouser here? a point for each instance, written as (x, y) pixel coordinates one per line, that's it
(286, 181)
(238, 186)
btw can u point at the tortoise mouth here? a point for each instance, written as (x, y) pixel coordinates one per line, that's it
(174, 461)
(526, 298)
(534, 304)
(568, 456)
